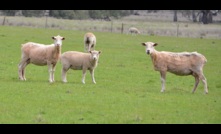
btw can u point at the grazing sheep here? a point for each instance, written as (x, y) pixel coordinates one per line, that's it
(185, 63)
(89, 42)
(79, 61)
(40, 54)
(134, 31)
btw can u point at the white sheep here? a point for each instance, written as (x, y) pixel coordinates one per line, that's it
(184, 63)
(134, 31)
(79, 61)
(40, 54)
(89, 41)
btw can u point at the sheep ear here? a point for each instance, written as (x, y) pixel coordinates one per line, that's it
(99, 52)
(143, 44)
(155, 44)
(89, 51)
(53, 37)
(63, 38)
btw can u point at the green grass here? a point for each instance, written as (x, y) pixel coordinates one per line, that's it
(127, 89)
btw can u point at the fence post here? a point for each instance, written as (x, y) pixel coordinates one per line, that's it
(177, 31)
(3, 23)
(46, 15)
(122, 28)
(111, 26)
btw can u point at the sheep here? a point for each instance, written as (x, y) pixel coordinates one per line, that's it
(79, 61)
(89, 41)
(134, 31)
(41, 55)
(184, 63)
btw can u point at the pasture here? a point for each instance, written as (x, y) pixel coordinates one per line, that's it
(127, 89)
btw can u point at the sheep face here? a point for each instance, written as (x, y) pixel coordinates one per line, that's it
(149, 47)
(58, 40)
(95, 54)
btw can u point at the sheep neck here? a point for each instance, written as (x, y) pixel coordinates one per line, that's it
(154, 56)
(93, 62)
(57, 51)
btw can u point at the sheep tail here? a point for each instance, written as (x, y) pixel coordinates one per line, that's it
(88, 40)
(204, 59)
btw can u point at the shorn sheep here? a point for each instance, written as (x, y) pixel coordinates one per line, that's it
(89, 41)
(79, 61)
(134, 31)
(41, 55)
(184, 63)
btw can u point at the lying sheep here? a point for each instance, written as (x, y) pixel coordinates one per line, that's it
(185, 63)
(40, 54)
(79, 61)
(89, 42)
(134, 31)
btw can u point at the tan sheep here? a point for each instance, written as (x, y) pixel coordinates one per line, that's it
(134, 31)
(40, 54)
(185, 63)
(79, 61)
(89, 42)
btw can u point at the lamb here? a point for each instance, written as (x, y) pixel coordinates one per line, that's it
(89, 42)
(41, 55)
(184, 63)
(79, 61)
(134, 31)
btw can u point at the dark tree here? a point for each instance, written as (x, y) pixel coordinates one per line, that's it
(194, 16)
(207, 16)
(175, 16)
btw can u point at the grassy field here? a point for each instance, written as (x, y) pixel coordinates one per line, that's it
(127, 89)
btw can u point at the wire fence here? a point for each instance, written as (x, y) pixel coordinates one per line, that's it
(178, 29)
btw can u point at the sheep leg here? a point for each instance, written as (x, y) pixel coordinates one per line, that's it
(163, 79)
(21, 71)
(92, 76)
(203, 78)
(86, 48)
(64, 73)
(89, 47)
(52, 74)
(196, 82)
(21, 68)
(50, 70)
(92, 47)
(83, 76)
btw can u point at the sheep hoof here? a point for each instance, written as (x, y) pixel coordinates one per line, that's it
(162, 91)
(51, 81)
(64, 81)
(23, 79)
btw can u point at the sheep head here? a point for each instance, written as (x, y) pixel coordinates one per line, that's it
(58, 40)
(149, 47)
(95, 54)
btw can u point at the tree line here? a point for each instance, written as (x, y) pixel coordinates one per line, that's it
(69, 14)
(204, 16)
